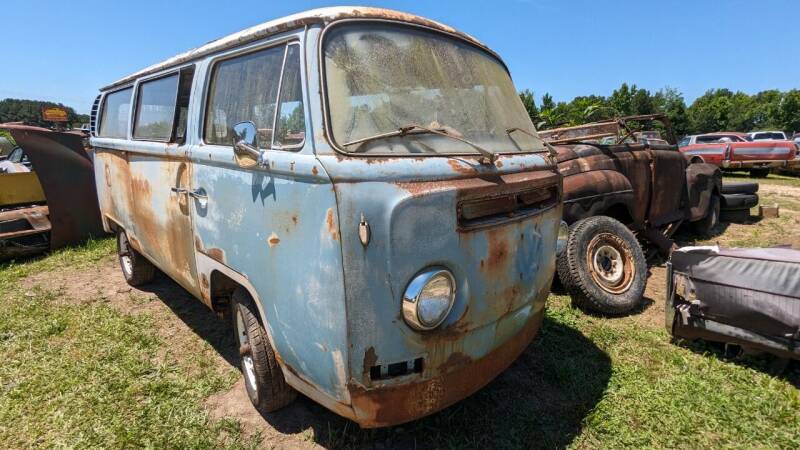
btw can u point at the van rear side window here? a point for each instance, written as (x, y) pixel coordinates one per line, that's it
(162, 107)
(116, 114)
(245, 88)
(155, 109)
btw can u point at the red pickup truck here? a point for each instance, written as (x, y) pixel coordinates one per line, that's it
(733, 151)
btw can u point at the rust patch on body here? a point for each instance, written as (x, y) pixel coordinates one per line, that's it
(273, 240)
(499, 250)
(217, 254)
(330, 223)
(459, 168)
(454, 361)
(393, 405)
(314, 171)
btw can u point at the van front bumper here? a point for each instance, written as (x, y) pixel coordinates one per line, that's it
(395, 404)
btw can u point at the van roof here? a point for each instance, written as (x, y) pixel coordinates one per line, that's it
(320, 15)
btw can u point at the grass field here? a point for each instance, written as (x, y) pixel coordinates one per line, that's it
(89, 362)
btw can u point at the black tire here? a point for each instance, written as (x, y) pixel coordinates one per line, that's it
(706, 224)
(136, 269)
(603, 241)
(740, 188)
(263, 377)
(739, 201)
(735, 215)
(759, 173)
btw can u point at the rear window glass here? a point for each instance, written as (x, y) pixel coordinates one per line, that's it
(116, 114)
(155, 109)
(764, 136)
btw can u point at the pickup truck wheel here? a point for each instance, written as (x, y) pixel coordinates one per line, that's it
(135, 267)
(603, 267)
(263, 378)
(707, 223)
(759, 173)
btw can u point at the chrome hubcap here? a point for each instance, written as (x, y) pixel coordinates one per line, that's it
(125, 255)
(247, 358)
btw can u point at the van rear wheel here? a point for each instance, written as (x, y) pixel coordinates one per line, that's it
(263, 378)
(603, 267)
(135, 267)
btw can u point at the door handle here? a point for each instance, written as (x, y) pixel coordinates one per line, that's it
(179, 190)
(199, 194)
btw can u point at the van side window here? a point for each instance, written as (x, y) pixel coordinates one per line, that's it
(162, 106)
(290, 129)
(155, 109)
(116, 114)
(244, 88)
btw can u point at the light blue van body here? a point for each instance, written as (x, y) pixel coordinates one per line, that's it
(291, 233)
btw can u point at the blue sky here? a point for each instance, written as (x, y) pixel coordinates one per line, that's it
(63, 51)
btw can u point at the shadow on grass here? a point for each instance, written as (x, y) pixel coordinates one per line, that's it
(785, 369)
(540, 401)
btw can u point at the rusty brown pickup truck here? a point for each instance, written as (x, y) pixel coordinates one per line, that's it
(622, 200)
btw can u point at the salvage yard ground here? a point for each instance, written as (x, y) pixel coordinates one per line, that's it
(89, 362)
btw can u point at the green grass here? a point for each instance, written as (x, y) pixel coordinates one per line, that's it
(86, 375)
(71, 257)
(664, 395)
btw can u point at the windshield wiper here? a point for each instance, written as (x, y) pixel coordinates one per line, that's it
(487, 156)
(550, 148)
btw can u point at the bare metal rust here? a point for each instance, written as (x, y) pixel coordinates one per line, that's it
(459, 377)
(621, 127)
(65, 171)
(647, 187)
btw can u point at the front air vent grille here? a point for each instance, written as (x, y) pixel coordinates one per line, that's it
(509, 206)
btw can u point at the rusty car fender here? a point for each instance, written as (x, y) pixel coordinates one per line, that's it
(591, 193)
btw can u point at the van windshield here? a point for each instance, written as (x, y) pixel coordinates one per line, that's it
(383, 77)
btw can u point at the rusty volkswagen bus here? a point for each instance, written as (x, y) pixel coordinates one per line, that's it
(360, 191)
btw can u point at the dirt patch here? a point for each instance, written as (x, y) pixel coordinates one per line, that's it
(655, 292)
(777, 189)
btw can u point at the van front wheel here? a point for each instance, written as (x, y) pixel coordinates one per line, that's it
(263, 378)
(135, 267)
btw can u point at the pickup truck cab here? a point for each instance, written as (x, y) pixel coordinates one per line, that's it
(766, 136)
(359, 190)
(623, 187)
(734, 151)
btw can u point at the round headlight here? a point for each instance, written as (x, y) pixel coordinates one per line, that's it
(428, 299)
(563, 235)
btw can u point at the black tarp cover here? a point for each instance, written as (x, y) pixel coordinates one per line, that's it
(747, 291)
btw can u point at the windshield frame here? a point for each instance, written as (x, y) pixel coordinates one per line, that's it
(326, 113)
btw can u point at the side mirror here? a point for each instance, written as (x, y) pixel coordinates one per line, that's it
(245, 146)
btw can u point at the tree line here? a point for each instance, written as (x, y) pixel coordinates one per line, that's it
(716, 110)
(30, 111)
